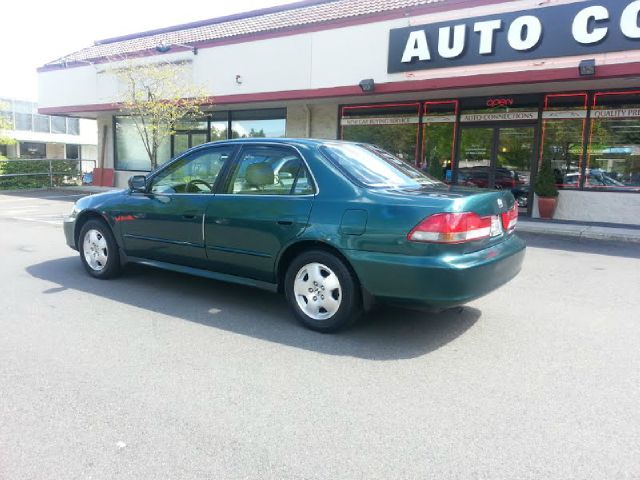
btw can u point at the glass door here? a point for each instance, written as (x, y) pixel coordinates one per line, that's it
(512, 167)
(475, 158)
(497, 157)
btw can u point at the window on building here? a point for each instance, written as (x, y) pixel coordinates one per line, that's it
(24, 121)
(33, 150)
(269, 123)
(563, 132)
(41, 123)
(391, 127)
(613, 160)
(7, 118)
(24, 107)
(58, 125)
(72, 152)
(130, 151)
(219, 126)
(189, 134)
(3, 151)
(73, 126)
(438, 139)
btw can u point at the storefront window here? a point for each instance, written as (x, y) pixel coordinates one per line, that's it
(130, 151)
(391, 127)
(439, 129)
(219, 126)
(131, 154)
(563, 136)
(188, 134)
(614, 149)
(270, 123)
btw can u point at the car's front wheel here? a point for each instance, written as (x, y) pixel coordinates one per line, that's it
(99, 250)
(322, 291)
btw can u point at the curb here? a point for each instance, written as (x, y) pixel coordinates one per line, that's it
(583, 232)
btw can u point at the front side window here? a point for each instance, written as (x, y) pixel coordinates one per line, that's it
(270, 171)
(374, 167)
(193, 173)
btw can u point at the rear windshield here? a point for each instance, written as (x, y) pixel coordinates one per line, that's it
(374, 167)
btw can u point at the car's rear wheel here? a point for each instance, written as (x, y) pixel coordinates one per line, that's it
(99, 250)
(322, 291)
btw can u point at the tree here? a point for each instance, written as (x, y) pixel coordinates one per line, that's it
(4, 125)
(156, 97)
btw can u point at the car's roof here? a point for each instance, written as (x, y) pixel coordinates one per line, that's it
(283, 141)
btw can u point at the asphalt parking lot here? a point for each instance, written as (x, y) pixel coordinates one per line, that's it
(160, 375)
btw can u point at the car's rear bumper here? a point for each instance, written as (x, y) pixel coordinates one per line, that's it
(439, 282)
(69, 227)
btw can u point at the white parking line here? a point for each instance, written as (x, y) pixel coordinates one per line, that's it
(37, 220)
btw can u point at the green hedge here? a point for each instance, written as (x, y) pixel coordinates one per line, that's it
(66, 173)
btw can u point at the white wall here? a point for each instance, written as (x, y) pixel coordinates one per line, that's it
(324, 121)
(583, 206)
(329, 58)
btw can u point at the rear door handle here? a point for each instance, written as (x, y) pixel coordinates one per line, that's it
(285, 221)
(189, 216)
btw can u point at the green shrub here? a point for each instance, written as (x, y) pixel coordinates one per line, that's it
(65, 172)
(545, 184)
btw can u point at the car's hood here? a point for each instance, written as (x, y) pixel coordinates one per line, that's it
(92, 201)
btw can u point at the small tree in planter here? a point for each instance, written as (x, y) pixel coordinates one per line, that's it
(546, 190)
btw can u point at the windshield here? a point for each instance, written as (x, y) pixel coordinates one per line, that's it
(374, 167)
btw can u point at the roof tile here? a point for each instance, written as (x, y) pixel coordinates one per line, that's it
(295, 16)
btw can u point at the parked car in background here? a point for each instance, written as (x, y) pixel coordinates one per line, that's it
(332, 225)
(597, 179)
(504, 179)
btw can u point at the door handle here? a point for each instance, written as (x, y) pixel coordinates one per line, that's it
(285, 221)
(188, 216)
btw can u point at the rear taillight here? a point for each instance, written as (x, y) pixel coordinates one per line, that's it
(510, 218)
(451, 228)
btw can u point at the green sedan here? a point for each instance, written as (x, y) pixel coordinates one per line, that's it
(335, 226)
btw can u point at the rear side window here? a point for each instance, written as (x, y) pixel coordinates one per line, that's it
(263, 170)
(373, 167)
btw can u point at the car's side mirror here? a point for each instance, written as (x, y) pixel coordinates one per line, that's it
(138, 184)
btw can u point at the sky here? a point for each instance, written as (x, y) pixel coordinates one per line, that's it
(34, 32)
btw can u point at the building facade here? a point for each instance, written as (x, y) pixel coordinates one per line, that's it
(37, 136)
(474, 92)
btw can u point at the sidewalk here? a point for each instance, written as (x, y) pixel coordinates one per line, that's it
(623, 233)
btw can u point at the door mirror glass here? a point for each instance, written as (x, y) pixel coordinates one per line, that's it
(138, 183)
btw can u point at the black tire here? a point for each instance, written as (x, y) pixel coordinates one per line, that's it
(109, 268)
(349, 294)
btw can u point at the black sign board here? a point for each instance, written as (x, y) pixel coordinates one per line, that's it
(582, 28)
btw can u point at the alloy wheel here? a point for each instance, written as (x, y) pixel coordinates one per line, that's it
(317, 291)
(95, 250)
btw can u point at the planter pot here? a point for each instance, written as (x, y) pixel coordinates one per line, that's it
(547, 207)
